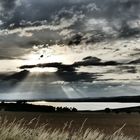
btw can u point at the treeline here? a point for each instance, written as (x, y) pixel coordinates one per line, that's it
(123, 110)
(33, 108)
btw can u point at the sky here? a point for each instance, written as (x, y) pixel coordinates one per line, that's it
(54, 49)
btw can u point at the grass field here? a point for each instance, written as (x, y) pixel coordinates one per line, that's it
(17, 130)
(79, 125)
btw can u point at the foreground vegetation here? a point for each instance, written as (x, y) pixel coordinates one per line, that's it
(19, 130)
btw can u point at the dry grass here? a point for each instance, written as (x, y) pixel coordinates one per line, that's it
(19, 130)
(106, 123)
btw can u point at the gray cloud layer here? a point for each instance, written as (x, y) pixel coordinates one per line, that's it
(116, 12)
(25, 23)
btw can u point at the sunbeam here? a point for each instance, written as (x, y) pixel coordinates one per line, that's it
(70, 91)
(18, 92)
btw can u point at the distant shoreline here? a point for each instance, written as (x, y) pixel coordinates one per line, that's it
(119, 99)
(27, 107)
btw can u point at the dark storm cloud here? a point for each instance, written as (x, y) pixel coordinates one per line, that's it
(116, 12)
(59, 66)
(77, 76)
(7, 8)
(88, 61)
(93, 61)
(79, 38)
(122, 15)
(31, 22)
(8, 4)
(34, 11)
(19, 76)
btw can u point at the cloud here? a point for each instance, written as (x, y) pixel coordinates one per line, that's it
(10, 58)
(19, 76)
(8, 5)
(88, 61)
(7, 8)
(108, 14)
(59, 66)
(16, 44)
(69, 22)
(39, 11)
(75, 40)
(127, 69)
(137, 61)
(91, 58)
(95, 63)
(9, 81)
(77, 76)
